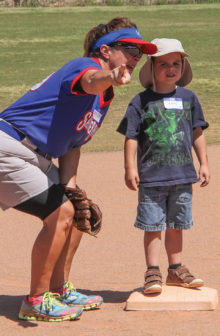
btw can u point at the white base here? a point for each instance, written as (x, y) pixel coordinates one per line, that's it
(174, 298)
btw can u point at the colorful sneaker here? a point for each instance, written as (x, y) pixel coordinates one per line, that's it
(71, 297)
(182, 277)
(48, 308)
(153, 282)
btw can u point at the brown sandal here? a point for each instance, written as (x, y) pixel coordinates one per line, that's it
(182, 277)
(153, 281)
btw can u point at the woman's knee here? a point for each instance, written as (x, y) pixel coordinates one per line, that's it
(62, 216)
(67, 210)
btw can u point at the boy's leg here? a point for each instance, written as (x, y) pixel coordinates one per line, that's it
(152, 245)
(151, 218)
(153, 277)
(179, 217)
(174, 245)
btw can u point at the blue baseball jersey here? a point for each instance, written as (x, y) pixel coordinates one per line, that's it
(57, 114)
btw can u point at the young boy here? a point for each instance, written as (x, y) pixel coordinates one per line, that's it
(161, 125)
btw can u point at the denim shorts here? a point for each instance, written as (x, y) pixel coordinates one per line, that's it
(164, 207)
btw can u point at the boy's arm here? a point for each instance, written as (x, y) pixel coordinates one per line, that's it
(131, 174)
(199, 145)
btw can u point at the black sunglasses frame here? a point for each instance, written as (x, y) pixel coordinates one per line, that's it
(131, 49)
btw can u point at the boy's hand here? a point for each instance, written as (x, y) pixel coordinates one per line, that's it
(131, 178)
(204, 176)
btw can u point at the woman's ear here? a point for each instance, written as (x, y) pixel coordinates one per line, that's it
(105, 51)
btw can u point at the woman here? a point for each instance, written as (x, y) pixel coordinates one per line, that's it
(53, 120)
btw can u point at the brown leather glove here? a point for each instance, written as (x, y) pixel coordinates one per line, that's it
(88, 216)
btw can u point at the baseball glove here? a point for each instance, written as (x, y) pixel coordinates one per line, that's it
(88, 216)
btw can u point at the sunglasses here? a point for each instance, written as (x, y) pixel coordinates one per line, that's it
(131, 49)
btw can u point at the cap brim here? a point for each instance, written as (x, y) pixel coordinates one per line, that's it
(165, 52)
(146, 47)
(145, 74)
(187, 74)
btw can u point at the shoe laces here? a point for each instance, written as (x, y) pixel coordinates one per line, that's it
(50, 300)
(69, 286)
(70, 289)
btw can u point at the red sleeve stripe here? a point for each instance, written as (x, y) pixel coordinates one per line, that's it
(78, 77)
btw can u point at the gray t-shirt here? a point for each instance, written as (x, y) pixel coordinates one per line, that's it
(163, 126)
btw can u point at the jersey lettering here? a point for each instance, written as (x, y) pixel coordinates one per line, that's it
(89, 124)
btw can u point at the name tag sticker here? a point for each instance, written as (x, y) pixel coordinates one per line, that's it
(97, 115)
(173, 103)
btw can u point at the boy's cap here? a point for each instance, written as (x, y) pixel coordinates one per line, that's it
(166, 46)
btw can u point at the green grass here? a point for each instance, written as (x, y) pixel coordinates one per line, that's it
(36, 42)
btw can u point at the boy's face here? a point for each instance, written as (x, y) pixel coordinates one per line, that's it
(167, 71)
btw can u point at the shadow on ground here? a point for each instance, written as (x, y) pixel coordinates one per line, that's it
(109, 296)
(10, 305)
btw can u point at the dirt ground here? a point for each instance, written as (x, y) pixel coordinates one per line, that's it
(113, 264)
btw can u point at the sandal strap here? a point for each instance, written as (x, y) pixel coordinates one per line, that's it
(183, 273)
(152, 276)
